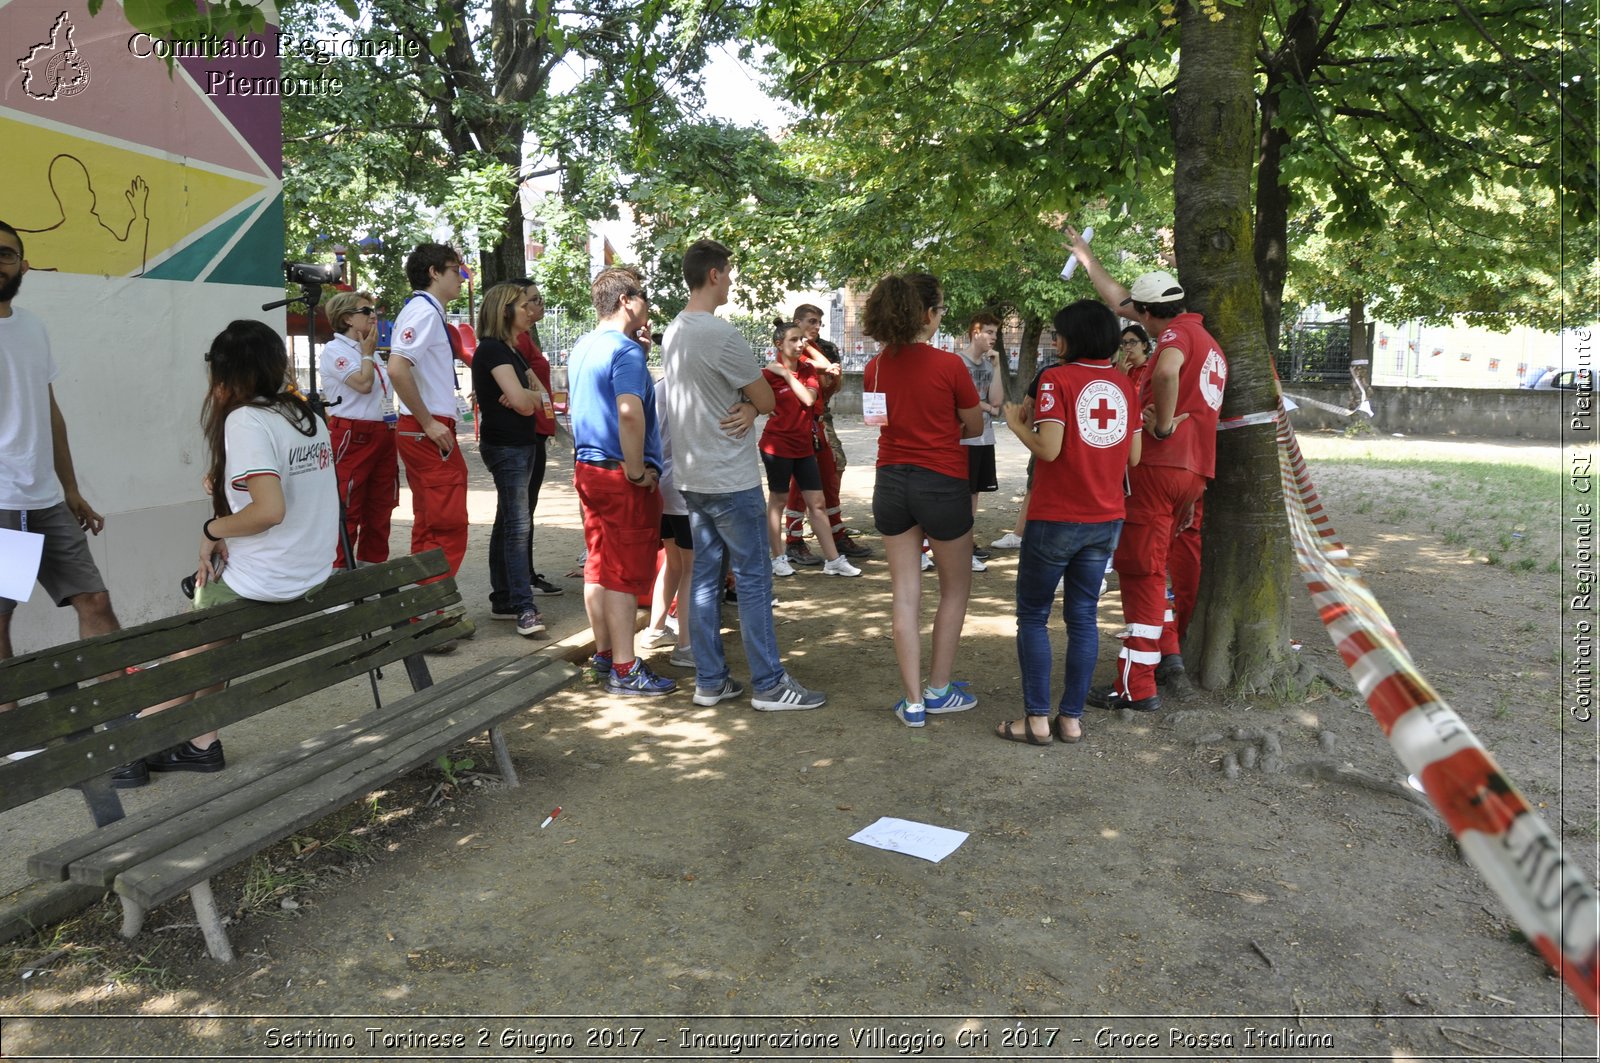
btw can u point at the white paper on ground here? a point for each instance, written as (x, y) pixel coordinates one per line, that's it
(19, 563)
(912, 838)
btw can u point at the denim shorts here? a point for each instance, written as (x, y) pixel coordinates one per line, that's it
(909, 496)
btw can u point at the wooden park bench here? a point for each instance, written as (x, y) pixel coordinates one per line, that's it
(358, 622)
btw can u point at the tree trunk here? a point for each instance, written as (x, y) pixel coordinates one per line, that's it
(1239, 635)
(1028, 353)
(508, 258)
(1272, 195)
(1360, 352)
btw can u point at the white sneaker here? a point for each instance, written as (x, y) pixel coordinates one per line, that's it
(1008, 541)
(927, 560)
(979, 566)
(781, 566)
(652, 637)
(840, 566)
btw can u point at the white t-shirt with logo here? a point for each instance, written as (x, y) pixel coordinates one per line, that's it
(339, 360)
(27, 450)
(284, 562)
(419, 337)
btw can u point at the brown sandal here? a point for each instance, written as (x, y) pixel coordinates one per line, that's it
(1004, 730)
(1058, 729)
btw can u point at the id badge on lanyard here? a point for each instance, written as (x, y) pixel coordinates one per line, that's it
(875, 404)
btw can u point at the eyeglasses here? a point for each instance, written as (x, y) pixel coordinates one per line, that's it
(10, 257)
(941, 308)
(365, 310)
(1132, 341)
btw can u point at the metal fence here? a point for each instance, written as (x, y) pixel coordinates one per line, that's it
(1317, 353)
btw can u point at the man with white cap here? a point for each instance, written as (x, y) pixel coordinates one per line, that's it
(1180, 451)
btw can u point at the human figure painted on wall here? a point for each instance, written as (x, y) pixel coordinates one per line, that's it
(83, 240)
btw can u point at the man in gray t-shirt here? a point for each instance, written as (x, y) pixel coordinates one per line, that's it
(716, 393)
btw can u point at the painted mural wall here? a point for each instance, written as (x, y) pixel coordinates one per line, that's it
(149, 200)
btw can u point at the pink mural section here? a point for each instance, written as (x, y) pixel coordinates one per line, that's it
(118, 93)
(119, 164)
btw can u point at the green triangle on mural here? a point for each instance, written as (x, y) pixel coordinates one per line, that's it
(257, 259)
(189, 263)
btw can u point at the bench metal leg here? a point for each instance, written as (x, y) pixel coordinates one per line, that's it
(502, 757)
(205, 912)
(132, 918)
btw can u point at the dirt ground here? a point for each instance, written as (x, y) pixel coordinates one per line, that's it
(1118, 898)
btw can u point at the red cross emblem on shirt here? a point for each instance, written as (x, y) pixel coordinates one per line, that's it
(1103, 414)
(1217, 380)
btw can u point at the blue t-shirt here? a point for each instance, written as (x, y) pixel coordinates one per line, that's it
(604, 364)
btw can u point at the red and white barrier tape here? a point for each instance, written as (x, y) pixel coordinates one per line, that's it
(1500, 833)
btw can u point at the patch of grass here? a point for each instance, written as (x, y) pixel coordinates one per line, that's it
(1506, 514)
(266, 884)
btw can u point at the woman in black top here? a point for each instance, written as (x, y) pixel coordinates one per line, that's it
(508, 397)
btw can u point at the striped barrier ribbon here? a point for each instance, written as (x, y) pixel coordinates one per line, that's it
(1500, 833)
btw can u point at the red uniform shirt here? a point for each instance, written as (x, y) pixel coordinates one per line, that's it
(1193, 445)
(1097, 408)
(925, 387)
(791, 429)
(544, 424)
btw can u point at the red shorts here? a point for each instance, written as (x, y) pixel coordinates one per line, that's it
(621, 528)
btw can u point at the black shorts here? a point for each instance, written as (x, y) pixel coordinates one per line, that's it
(675, 526)
(909, 496)
(980, 468)
(803, 471)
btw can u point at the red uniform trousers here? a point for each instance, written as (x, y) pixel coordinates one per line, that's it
(368, 472)
(438, 492)
(1183, 569)
(794, 510)
(1161, 495)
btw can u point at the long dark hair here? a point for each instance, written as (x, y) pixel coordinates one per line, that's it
(249, 367)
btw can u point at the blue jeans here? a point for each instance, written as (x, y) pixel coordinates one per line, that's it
(1072, 556)
(732, 525)
(509, 543)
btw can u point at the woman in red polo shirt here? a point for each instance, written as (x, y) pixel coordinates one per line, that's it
(789, 446)
(924, 403)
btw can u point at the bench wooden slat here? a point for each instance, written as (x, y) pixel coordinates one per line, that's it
(226, 792)
(102, 751)
(76, 662)
(196, 860)
(277, 776)
(75, 709)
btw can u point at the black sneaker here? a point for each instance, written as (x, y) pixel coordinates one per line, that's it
(800, 554)
(185, 757)
(539, 585)
(131, 776)
(1171, 665)
(850, 548)
(1106, 698)
(980, 554)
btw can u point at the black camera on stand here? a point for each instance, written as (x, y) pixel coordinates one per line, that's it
(311, 277)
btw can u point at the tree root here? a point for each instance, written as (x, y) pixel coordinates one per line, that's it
(1328, 771)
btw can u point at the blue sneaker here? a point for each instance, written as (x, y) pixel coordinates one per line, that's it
(600, 667)
(529, 622)
(954, 699)
(910, 715)
(641, 680)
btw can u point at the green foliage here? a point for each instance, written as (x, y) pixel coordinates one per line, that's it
(740, 187)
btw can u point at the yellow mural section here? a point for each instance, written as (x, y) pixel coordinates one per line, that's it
(87, 207)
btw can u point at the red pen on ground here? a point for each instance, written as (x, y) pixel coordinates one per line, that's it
(551, 818)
